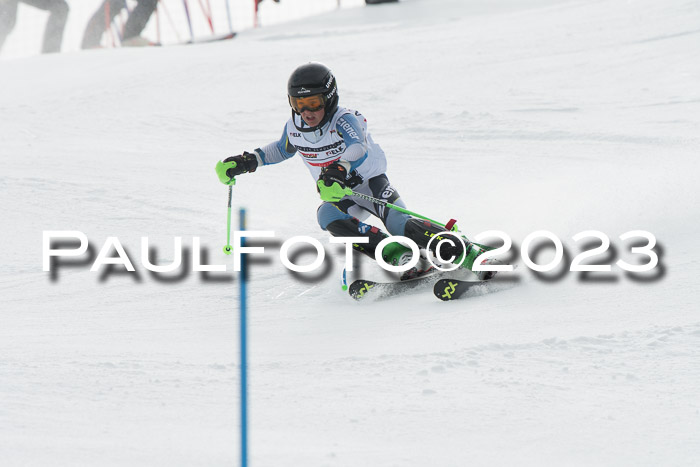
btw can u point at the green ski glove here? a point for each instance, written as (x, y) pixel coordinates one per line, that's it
(331, 183)
(333, 193)
(221, 169)
(230, 167)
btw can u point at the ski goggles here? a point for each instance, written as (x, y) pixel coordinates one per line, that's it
(311, 103)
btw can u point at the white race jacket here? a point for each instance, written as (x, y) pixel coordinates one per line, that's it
(343, 137)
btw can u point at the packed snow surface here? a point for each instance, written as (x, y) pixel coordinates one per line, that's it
(517, 116)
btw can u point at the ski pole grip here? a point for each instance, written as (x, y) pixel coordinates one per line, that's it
(221, 169)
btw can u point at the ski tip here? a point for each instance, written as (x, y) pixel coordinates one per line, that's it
(449, 289)
(452, 289)
(359, 288)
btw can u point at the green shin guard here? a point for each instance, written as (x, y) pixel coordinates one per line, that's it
(396, 254)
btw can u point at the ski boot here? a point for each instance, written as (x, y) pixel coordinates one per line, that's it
(423, 268)
(422, 231)
(397, 254)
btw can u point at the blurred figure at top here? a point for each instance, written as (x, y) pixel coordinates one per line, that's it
(56, 24)
(135, 24)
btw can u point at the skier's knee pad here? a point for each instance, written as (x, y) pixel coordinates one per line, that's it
(353, 228)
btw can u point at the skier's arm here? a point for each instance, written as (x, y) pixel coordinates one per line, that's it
(348, 126)
(276, 151)
(248, 162)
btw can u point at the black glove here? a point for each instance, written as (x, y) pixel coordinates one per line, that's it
(245, 163)
(334, 173)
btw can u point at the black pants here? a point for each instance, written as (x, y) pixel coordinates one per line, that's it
(138, 18)
(53, 34)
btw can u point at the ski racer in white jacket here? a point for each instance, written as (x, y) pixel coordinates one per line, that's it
(339, 152)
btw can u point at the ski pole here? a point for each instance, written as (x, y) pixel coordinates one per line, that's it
(381, 202)
(452, 227)
(221, 169)
(228, 249)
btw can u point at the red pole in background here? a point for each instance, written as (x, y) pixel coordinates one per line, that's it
(170, 20)
(207, 14)
(255, 19)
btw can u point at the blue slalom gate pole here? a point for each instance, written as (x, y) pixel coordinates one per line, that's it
(189, 20)
(244, 347)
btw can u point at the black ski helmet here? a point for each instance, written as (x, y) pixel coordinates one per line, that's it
(310, 79)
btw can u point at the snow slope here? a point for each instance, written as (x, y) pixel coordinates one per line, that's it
(516, 116)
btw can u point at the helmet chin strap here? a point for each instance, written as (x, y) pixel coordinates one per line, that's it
(310, 129)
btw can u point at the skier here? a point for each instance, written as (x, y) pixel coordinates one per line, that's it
(135, 24)
(340, 153)
(55, 25)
